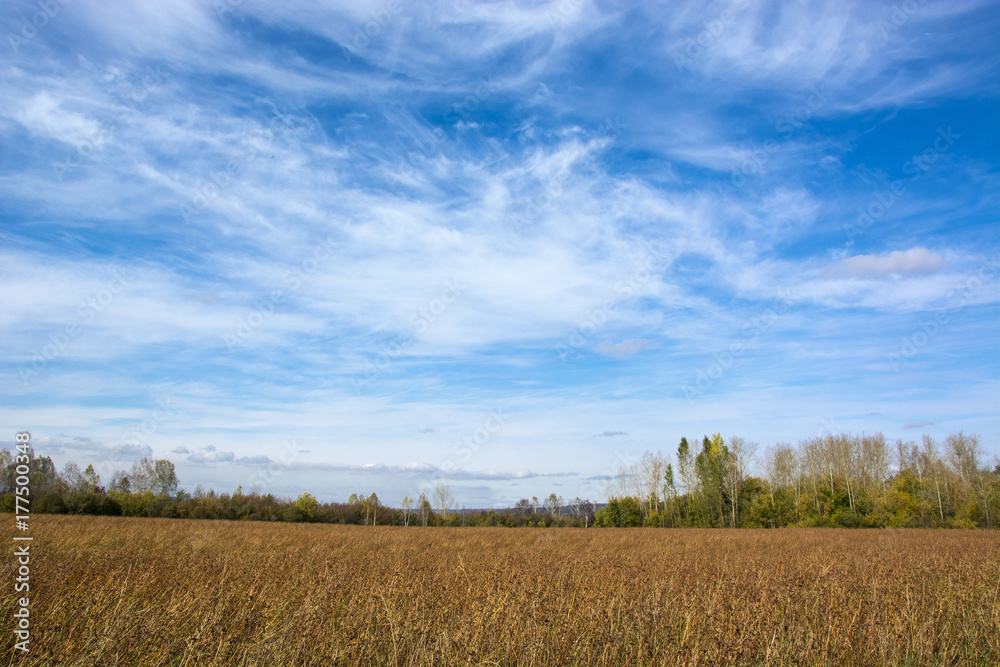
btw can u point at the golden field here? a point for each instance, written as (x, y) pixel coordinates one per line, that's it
(122, 591)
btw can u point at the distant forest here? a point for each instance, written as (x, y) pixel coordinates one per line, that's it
(839, 480)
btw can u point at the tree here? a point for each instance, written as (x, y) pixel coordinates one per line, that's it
(73, 477)
(586, 509)
(43, 473)
(710, 465)
(6, 470)
(523, 507)
(92, 478)
(443, 497)
(157, 476)
(985, 484)
(781, 465)
(373, 505)
(875, 461)
(650, 473)
(669, 491)
(740, 455)
(120, 482)
(964, 455)
(620, 512)
(425, 509)
(164, 481)
(407, 505)
(305, 507)
(932, 464)
(553, 503)
(143, 475)
(685, 466)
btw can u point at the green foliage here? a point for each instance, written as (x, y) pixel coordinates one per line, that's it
(304, 508)
(620, 513)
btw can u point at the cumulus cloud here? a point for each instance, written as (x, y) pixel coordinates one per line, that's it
(211, 456)
(912, 262)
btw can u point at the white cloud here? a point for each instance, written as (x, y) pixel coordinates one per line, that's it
(912, 262)
(44, 115)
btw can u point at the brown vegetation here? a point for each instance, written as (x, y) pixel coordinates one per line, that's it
(121, 591)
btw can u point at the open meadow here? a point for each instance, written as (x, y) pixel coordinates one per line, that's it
(131, 591)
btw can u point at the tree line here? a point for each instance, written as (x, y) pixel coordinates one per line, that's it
(837, 480)
(150, 488)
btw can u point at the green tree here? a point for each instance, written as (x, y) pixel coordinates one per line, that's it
(91, 476)
(304, 508)
(710, 465)
(164, 479)
(620, 512)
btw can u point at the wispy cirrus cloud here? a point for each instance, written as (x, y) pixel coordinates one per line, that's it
(536, 154)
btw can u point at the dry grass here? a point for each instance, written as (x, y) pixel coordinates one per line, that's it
(113, 591)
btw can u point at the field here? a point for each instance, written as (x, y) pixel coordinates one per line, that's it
(115, 591)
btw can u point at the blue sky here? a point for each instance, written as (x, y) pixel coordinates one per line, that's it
(354, 247)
